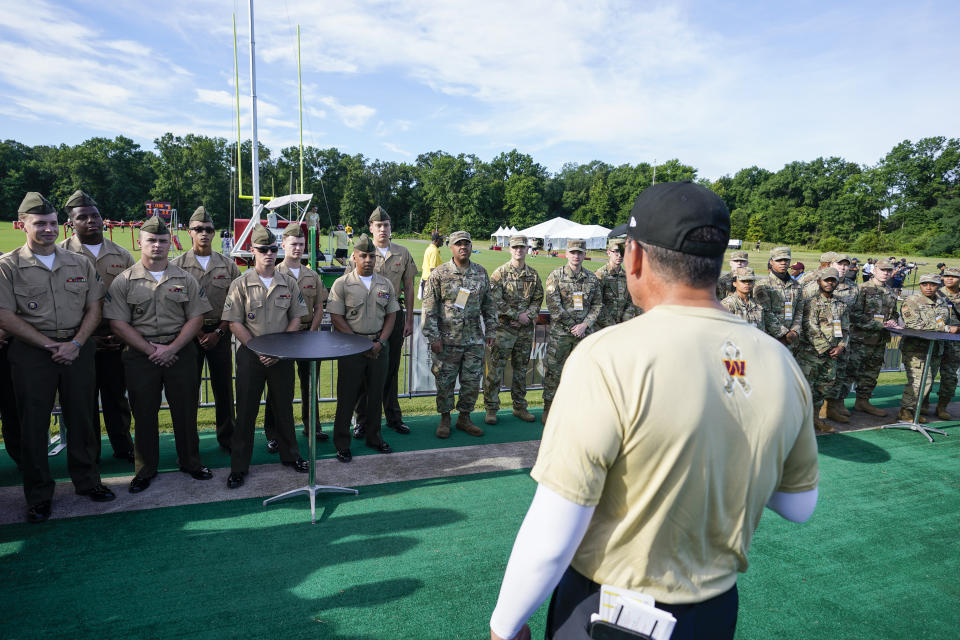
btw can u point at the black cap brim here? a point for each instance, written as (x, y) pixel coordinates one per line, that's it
(617, 231)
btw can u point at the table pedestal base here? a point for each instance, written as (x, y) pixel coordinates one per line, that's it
(914, 426)
(311, 490)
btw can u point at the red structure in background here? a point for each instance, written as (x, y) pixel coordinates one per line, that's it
(239, 224)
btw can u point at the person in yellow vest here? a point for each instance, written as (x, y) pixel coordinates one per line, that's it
(431, 260)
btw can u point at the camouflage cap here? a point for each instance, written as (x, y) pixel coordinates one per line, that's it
(739, 255)
(577, 245)
(35, 203)
(262, 236)
(155, 225)
(201, 215)
(364, 244)
(829, 272)
(931, 278)
(79, 199)
(840, 257)
(616, 243)
(518, 241)
(459, 236)
(379, 215)
(884, 264)
(293, 230)
(829, 256)
(744, 274)
(780, 253)
(952, 271)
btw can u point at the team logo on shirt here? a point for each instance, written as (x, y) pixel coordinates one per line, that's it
(734, 370)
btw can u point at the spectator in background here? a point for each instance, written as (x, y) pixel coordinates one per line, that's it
(796, 270)
(868, 269)
(431, 260)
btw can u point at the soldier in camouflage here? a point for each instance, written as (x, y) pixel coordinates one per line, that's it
(825, 335)
(781, 297)
(456, 296)
(924, 311)
(617, 306)
(517, 293)
(872, 313)
(811, 277)
(742, 304)
(846, 292)
(738, 260)
(950, 361)
(574, 300)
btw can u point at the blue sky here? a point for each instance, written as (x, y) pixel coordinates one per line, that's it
(719, 85)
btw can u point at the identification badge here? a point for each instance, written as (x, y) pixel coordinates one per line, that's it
(577, 301)
(788, 310)
(878, 317)
(462, 296)
(940, 323)
(837, 331)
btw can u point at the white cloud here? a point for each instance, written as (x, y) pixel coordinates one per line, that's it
(397, 150)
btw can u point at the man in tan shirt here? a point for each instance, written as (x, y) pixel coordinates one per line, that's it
(259, 302)
(362, 302)
(214, 272)
(50, 303)
(157, 309)
(109, 259)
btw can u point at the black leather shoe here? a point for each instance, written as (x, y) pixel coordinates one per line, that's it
(39, 512)
(383, 447)
(235, 479)
(128, 456)
(98, 493)
(344, 456)
(273, 446)
(203, 473)
(299, 465)
(139, 484)
(359, 432)
(321, 436)
(401, 428)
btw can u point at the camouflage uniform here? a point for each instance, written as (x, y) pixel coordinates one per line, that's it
(921, 313)
(846, 292)
(725, 285)
(459, 329)
(817, 339)
(562, 289)
(513, 291)
(617, 306)
(783, 302)
(875, 304)
(748, 309)
(950, 361)
(813, 276)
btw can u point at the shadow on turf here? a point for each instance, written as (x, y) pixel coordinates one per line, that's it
(852, 449)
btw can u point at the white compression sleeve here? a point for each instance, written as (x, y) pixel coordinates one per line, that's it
(545, 544)
(796, 507)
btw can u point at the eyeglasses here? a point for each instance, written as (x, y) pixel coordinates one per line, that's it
(203, 229)
(271, 249)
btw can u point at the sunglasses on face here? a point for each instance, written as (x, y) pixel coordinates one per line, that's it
(203, 229)
(271, 249)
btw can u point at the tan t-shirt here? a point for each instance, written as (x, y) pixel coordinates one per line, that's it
(262, 311)
(678, 426)
(214, 280)
(156, 310)
(363, 310)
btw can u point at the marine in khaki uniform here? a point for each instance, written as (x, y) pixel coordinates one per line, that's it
(517, 294)
(314, 296)
(457, 295)
(50, 303)
(825, 335)
(109, 259)
(738, 260)
(157, 309)
(362, 302)
(782, 298)
(950, 361)
(924, 311)
(741, 302)
(574, 300)
(214, 272)
(873, 312)
(395, 264)
(259, 302)
(617, 306)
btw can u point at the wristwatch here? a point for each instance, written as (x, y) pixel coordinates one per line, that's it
(382, 343)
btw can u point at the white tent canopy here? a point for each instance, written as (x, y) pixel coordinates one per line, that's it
(501, 237)
(556, 232)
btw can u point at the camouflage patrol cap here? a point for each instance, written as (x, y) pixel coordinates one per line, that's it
(616, 243)
(931, 278)
(952, 271)
(155, 225)
(262, 236)
(577, 245)
(79, 199)
(744, 274)
(201, 215)
(293, 230)
(459, 236)
(840, 257)
(884, 264)
(364, 244)
(780, 253)
(829, 256)
(518, 241)
(35, 203)
(828, 273)
(740, 255)
(379, 215)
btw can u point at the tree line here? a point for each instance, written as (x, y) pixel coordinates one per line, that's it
(908, 202)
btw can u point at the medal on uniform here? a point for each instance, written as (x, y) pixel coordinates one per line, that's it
(462, 296)
(788, 310)
(837, 330)
(578, 301)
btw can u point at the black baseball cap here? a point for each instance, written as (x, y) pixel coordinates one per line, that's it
(665, 214)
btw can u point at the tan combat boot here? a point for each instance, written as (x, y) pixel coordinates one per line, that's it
(464, 423)
(833, 413)
(491, 416)
(822, 427)
(823, 411)
(443, 429)
(942, 411)
(906, 415)
(840, 407)
(524, 415)
(863, 405)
